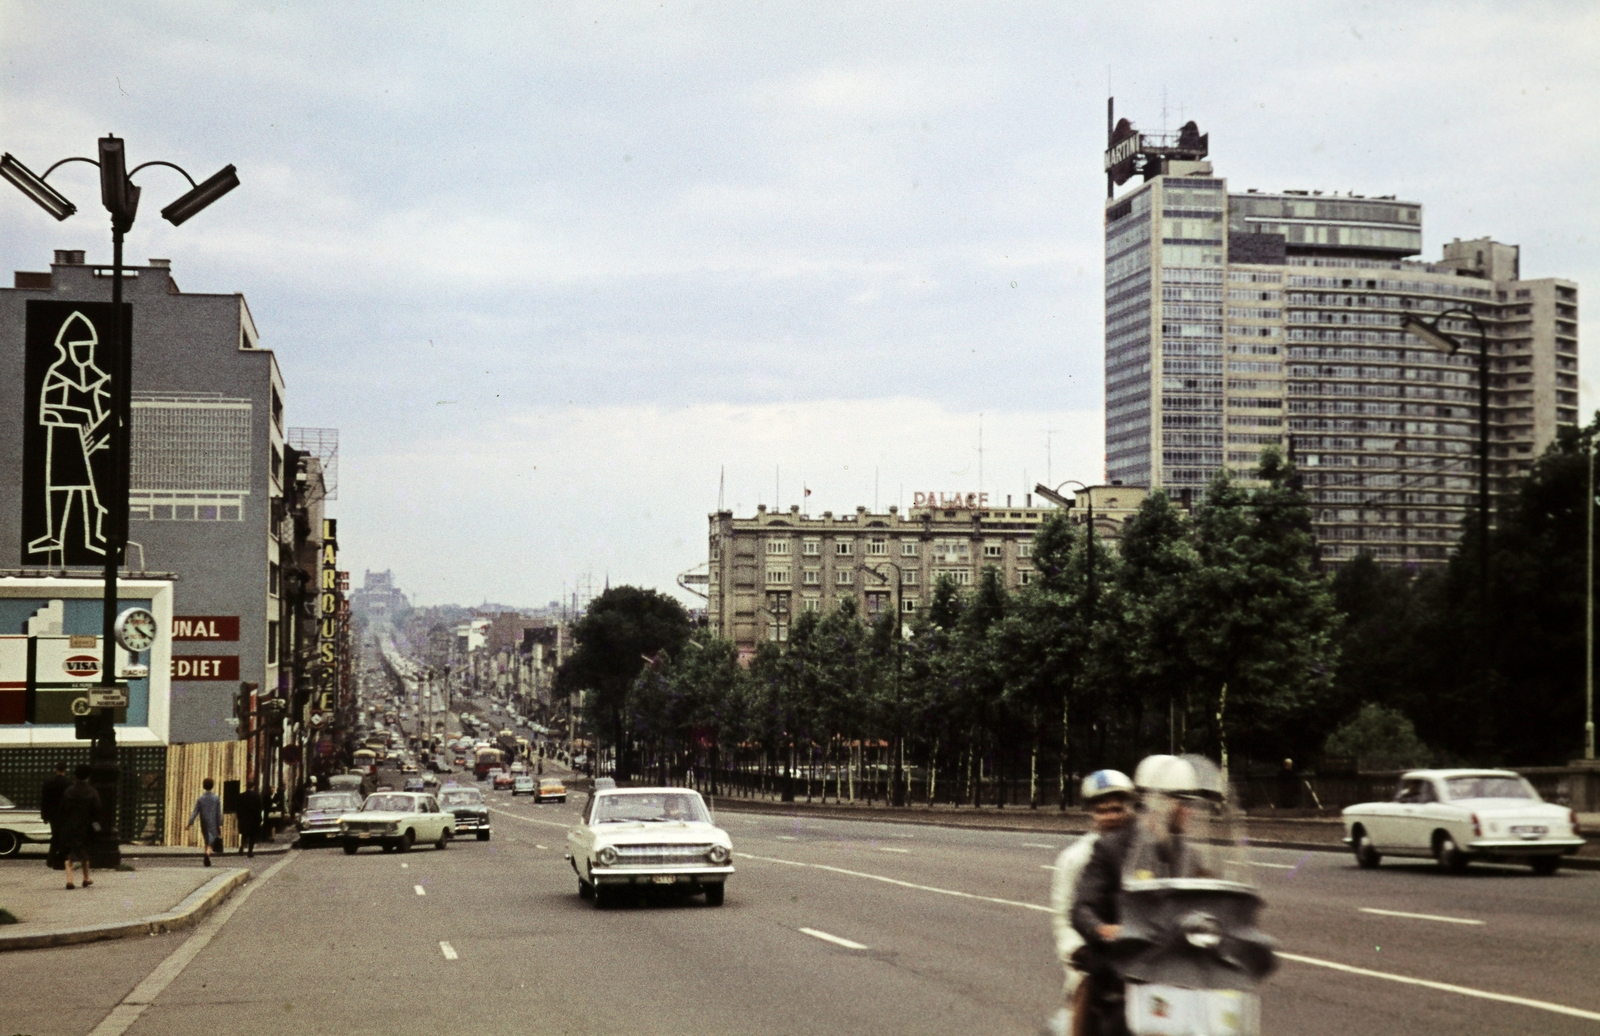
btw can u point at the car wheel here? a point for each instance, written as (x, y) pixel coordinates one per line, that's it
(714, 894)
(10, 843)
(483, 836)
(444, 840)
(604, 900)
(585, 890)
(1449, 855)
(1542, 865)
(388, 847)
(1366, 854)
(350, 848)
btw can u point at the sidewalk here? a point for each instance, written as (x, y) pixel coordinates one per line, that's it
(120, 903)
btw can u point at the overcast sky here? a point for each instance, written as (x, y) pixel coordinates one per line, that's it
(551, 269)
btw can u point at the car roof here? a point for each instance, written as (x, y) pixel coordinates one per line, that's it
(646, 791)
(1459, 772)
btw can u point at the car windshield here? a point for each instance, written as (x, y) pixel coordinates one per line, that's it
(331, 800)
(6, 803)
(653, 807)
(1487, 788)
(388, 804)
(464, 797)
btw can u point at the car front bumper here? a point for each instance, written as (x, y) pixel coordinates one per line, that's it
(680, 876)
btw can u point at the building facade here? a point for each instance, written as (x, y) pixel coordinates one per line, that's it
(766, 570)
(1240, 320)
(207, 476)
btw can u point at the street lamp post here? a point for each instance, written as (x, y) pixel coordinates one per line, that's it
(897, 795)
(1054, 495)
(120, 196)
(1429, 332)
(1588, 615)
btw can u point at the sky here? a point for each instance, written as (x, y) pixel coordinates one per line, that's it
(564, 276)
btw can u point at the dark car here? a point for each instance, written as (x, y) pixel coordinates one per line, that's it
(319, 821)
(472, 813)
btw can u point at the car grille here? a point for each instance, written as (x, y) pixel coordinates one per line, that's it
(661, 855)
(367, 825)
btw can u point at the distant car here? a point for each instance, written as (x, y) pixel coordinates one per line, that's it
(550, 788)
(408, 767)
(461, 760)
(1458, 816)
(319, 821)
(18, 826)
(414, 784)
(501, 780)
(637, 838)
(471, 812)
(519, 767)
(396, 821)
(430, 781)
(522, 784)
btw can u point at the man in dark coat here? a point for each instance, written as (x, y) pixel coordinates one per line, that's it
(249, 814)
(1096, 915)
(50, 804)
(76, 819)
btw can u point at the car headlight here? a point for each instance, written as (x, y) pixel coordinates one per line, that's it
(394, 827)
(719, 854)
(607, 855)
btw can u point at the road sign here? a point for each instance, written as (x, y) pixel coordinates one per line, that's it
(114, 697)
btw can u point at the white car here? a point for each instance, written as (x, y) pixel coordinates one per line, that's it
(634, 838)
(397, 820)
(18, 826)
(1457, 816)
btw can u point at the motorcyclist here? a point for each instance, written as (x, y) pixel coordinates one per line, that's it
(1163, 782)
(1109, 796)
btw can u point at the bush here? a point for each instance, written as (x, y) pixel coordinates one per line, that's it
(1379, 738)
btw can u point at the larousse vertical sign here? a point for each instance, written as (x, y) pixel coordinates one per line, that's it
(328, 611)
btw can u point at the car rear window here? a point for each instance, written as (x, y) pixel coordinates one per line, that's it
(1487, 788)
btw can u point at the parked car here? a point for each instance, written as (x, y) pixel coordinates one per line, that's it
(471, 812)
(414, 784)
(397, 820)
(631, 839)
(501, 780)
(522, 784)
(319, 821)
(1458, 816)
(19, 826)
(551, 788)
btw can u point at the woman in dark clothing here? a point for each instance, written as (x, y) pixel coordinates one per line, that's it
(76, 820)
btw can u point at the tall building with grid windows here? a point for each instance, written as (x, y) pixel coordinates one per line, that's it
(1240, 320)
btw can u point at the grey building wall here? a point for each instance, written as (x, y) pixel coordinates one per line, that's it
(182, 344)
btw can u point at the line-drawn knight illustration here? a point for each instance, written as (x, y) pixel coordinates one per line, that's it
(75, 410)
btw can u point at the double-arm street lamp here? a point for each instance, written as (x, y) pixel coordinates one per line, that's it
(897, 795)
(1055, 497)
(1429, 332)
(120, 196)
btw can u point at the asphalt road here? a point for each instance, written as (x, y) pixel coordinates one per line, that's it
(945, 932)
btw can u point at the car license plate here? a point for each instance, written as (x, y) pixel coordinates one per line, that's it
(664, 879)
(1529, 832)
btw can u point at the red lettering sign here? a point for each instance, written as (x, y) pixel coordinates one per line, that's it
(205, 627)
(205, 667)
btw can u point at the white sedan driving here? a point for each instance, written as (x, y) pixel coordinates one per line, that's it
(638, 838)
(397, 820)
(1458, 816)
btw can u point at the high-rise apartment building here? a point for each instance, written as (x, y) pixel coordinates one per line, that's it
(1240, 320)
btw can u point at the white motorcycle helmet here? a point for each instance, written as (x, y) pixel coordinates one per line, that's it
(1166, 774)
(1107, 782)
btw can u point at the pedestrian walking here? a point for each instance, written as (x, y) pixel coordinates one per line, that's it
(78, 821)
(249, 815)
(208, 810)
(50, 808)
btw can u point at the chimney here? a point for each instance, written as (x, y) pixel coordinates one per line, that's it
(161, 264)
(69, 257)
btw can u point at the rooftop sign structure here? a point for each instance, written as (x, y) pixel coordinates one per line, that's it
(1130, 153)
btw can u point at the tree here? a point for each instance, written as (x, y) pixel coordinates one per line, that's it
(621, 629)
(1379, 738)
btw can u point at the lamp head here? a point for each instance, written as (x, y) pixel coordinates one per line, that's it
(120, 196)
(201, 196)
(1429, 333)
(29, 183)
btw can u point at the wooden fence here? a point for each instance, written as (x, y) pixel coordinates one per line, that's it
(187, 766)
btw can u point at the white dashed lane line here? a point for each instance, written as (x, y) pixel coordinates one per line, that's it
(887, 849)
(448, 950)
(420, 890)
(1275, 866)
(825, 937)
(1036, 845)
(1419, 917)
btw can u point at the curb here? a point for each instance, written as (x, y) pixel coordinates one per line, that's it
(162, 852)
(195, 906)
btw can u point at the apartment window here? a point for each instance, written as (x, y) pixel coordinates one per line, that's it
(277, 464)
(272, 641)
(877, 603)
(272, 578)
(811, 577)
(951, 550)
(777, 577)
(1025, 549)
(993, 550)
(909, 606)
(845, 577)
(811, 547)
(844, 547)
(908, 550)
(960, 576)
(812, 604)
(777, 546)
(777, 616)
(877, 546)
(716, 550)
(909, 577)
(1024, 577)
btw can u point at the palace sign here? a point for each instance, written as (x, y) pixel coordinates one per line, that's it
(951, 501)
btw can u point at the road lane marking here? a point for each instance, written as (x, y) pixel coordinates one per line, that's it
(825, 937)
(536, 845)
(887, 849)
(420, 890)
(1420, 917)
(1504, 998)
(531, 820)
(787, 838)
(448, 950)
(1274, 866)
(903, 884)
(1036, 845)
(144, 994)
(1047, 866)
(403, 866)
